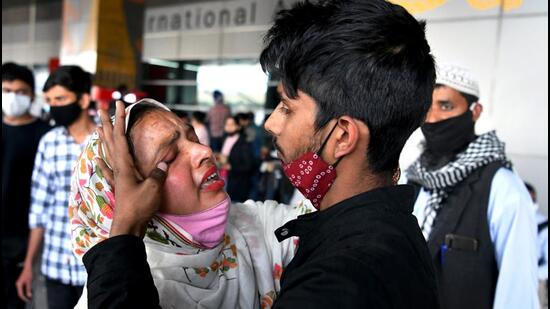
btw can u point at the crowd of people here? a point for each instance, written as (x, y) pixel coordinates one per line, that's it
(205, 215)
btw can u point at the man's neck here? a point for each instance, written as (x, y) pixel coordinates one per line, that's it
(81, 128)
(18, 121)
(349, 183)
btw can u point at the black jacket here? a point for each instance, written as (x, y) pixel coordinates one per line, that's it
(243, 165)
(461, 245)
(366, 252)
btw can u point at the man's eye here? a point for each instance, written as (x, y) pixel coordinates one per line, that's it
(446, 106)
(285, 110)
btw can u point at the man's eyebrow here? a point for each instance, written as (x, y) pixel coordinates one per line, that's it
(444, 102)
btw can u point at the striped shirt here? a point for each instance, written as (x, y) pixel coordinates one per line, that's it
(51, 184)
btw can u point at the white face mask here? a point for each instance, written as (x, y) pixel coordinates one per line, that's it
(15, 105)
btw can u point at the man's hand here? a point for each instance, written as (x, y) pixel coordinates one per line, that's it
(137, 198)
(24, 284)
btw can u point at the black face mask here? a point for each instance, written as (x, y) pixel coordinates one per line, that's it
(449, 137)
(65, 115)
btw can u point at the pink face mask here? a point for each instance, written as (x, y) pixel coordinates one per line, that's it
(311, 175)
(206, 227)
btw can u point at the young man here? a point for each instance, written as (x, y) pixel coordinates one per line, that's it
(21, 133)
(356, 80)
(472, 208)
(67, 91)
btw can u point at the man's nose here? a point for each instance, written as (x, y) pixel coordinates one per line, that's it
(433, 116)
(271, 125)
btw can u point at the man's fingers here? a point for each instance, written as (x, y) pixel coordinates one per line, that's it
(105, 171)
(124, 163)
(104, 146)
(120, 119)
(106, 133)
(21, 287)
(29, 291)
(159, 173)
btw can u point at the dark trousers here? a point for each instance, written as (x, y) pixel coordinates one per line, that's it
(13, 255)
(216, 143)
(61, 296)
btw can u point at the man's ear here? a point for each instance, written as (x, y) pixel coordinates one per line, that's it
(477, 109)
(348, 135)
(84, 101)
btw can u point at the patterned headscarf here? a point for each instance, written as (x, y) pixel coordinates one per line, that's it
(243, 271)
(92, 202)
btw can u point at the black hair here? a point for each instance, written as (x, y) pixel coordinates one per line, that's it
(199, 116)
(217, 95)
(470, 99)
(181, 114)
(369, 60)
(72, 77)
(13, 71)
(530, 187)
(531, 190)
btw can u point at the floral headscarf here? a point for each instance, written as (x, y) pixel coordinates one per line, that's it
(92, 202)
(241, 272)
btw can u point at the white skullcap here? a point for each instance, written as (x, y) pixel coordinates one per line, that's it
(458, 78)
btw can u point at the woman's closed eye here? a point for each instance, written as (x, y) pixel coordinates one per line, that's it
(170, 156)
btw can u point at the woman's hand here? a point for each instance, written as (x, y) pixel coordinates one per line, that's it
(137, 198)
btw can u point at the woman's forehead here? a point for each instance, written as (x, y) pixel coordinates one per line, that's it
(159, 124)
(155, 122)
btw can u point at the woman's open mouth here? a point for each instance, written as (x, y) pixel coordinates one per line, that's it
(212, 181)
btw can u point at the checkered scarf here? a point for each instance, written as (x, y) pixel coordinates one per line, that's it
(486, 149)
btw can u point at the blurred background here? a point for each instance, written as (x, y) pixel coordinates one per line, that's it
(179, 52)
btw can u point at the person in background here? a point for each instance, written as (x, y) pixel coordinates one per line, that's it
(21, 134)
(473, 209)
(238, 160)
(216, 121)
(67, 91)
(254, 138)
(198, 121)
(542, 229)
(183, 115)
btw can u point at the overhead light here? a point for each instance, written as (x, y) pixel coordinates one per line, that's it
(130, 98)
(116, 95)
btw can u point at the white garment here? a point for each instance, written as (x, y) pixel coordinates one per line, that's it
(543, 247)
(259, 260)
(511, 216)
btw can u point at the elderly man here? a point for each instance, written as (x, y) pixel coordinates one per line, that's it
(472, 207)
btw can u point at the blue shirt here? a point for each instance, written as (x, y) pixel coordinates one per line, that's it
(511, 216)
(51, 184)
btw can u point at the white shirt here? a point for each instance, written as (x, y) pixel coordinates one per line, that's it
(511, 216)
(543, 247)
